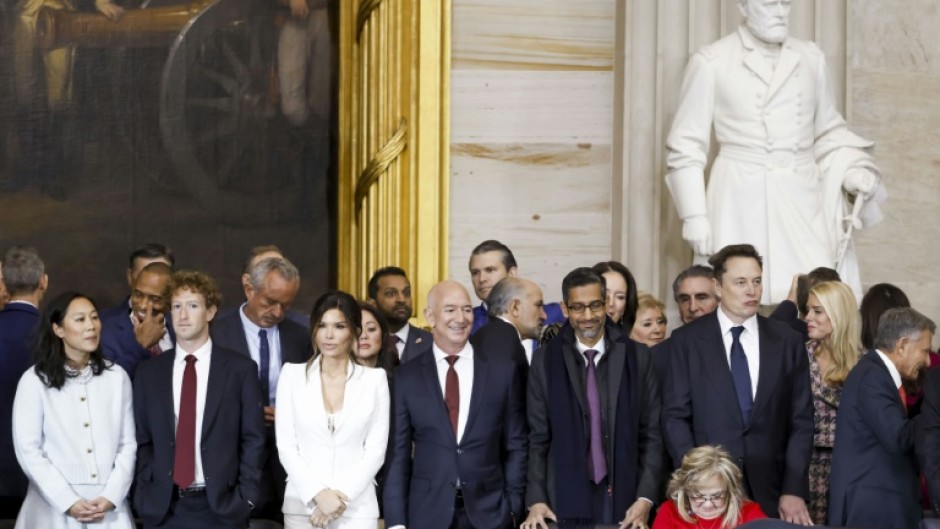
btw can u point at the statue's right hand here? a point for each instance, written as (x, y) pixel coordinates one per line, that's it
(696, 231)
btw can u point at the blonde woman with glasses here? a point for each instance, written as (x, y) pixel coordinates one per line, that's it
(706, 492)
(834, 328)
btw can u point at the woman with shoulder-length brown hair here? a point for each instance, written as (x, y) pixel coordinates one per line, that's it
(833, 325)
(332, 424)
(376, 347)
(707, 492)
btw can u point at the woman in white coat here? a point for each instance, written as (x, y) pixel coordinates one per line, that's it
(73, 425)
(332, 425)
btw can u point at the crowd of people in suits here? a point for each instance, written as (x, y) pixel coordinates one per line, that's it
(173, 412)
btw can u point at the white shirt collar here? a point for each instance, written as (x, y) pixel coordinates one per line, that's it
(250, 326)
(201, 353)
(600, 346)
(895, 374)
(22, 301)
(750, 324)
(439, 354)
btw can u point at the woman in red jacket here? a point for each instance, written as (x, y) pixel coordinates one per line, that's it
(706, 492)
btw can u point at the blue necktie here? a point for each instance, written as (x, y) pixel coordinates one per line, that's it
(264, 354)
(741, 374)
(597, 463)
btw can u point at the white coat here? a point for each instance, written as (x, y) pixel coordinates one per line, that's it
(765, 186)
(77, 442)
(346, 459)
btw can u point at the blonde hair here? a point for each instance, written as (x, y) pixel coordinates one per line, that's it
(649, 301)
(701, 464)
(844, 344)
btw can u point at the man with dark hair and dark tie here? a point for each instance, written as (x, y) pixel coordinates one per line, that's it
(390, 292)
(259, 330)
(595, 449)
(200, 426)
(741, 381)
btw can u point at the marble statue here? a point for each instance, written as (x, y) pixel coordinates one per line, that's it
(789, 176)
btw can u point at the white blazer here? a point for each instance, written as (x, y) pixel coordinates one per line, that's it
(347, 459)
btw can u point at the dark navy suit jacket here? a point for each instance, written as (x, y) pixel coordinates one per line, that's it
(228, 332)
(122, 308)
(700, 406)
(427, 462)
(873, 482)
(232, 445)
(553, 314)
(419, 341)
(118, 342)
(18, 323)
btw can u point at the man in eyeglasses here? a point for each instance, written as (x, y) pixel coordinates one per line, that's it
(595, 450)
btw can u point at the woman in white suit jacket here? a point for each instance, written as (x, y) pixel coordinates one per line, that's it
(73, 426)
(332, 425)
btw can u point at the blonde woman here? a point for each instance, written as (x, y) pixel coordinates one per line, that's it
(834, 329)
(706, 492)
(650, 325)
(332, 425)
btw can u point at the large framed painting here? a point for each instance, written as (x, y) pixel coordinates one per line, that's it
(206, 125)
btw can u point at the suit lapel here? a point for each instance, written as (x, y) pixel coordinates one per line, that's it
(616, 359)
(788, 62)
(714, 360)
(165, 399)
(574, 363)
(753, 60)
(233, 327)
(480, 373)
(771, 358)
(215, 389)
(351, 394)
(436, 392)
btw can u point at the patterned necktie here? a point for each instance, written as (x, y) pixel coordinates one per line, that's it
(264, 367)
(184, 462)
(597, 462)
(741, 374)
(452, 392)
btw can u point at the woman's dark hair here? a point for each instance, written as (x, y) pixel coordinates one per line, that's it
(50, 351)
(344, 303)
(876, 302)
(632, 306)
(387, 358)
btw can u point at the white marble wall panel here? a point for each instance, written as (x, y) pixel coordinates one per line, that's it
(531, 106)
(531, 131)
(548, 202)
(533, 34)
(895, 72)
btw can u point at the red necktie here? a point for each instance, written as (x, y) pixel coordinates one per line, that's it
(184, 466)
(903, 393)
(452, 392)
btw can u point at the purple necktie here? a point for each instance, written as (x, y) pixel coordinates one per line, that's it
(597, 463)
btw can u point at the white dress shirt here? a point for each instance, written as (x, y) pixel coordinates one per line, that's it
(750, 341)
(203, 359)
(893, 369)
(464, 369)
(402, 335)
(254, 349)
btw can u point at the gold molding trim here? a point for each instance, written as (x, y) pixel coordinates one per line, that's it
(392, 209)
(365, 11)
(379, 163)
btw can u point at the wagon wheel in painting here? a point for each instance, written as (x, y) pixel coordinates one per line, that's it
(229, 145)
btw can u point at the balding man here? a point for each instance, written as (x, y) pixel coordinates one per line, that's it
(516, 319)
(146, 332)
(473, 455)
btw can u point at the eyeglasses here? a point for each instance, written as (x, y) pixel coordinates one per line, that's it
(717, 499)
(594, 306)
